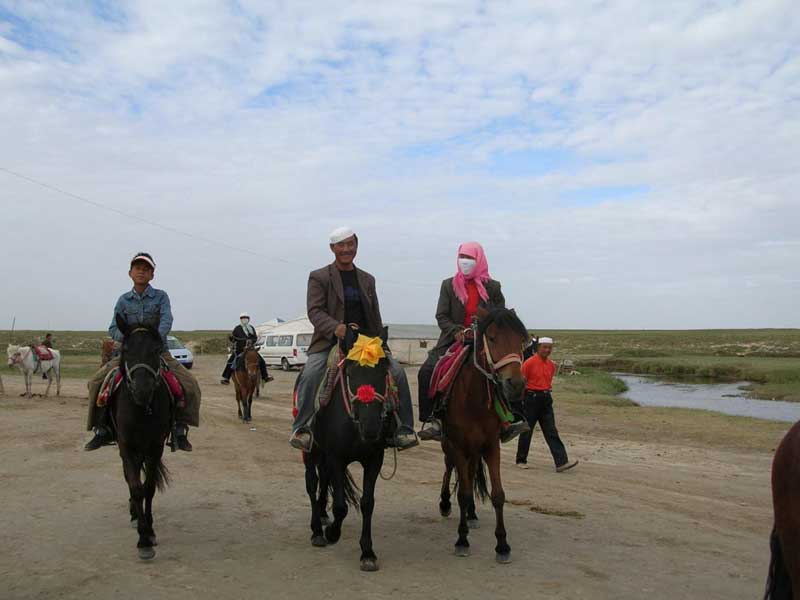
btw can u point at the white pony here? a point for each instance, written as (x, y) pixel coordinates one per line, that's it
(24, 359)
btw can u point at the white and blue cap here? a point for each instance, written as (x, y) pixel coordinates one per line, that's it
(546, 340)
(340, 234)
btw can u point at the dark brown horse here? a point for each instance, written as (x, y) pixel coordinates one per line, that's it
(784, 567)
(245, 380)
(471, 434)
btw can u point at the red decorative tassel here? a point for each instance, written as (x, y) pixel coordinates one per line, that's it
(366, 394)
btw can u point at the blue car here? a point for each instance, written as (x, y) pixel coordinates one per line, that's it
(180, 352)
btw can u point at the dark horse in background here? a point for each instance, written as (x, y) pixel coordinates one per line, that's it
(246, 380)
(783, 581)
(142, 413)
(471, 432)
(351, 428)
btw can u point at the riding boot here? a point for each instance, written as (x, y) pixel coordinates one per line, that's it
(103, 431)
(262, 366)
(180, 436)
(226, 374)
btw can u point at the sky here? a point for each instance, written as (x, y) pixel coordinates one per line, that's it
(625, 164)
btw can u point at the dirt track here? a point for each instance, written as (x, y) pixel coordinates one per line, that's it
(645, 520)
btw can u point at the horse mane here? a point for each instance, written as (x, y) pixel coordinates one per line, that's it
(502, 318)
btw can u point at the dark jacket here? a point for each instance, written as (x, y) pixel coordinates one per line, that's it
(239, 338)
(450, 312)
(325, 304)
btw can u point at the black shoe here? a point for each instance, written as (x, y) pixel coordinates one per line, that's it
(224, 381)
(513, 430)
(432, 430)
(269, 378)
(101, 438)
(183, 443)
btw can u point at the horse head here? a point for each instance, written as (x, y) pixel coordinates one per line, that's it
(14, 354)
(366, 377)
(140, 358)
(503, 335)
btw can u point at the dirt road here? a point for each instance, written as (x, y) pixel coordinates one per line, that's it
(634, 520)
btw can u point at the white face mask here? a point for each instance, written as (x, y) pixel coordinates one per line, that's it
(244, 322)
(467, 265)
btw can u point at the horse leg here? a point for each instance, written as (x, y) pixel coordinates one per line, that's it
(339, 477)
(49, 382)
(472, 515)
(465, 499)
(502, 550)
(369, 562)
(312, 488)
(132, 470)
(58, 379)
(324, 482)
(445, 506)
(150, 492)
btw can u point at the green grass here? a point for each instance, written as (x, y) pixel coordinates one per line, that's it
(74, 343)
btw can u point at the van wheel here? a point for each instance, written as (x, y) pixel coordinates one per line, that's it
(285, 364)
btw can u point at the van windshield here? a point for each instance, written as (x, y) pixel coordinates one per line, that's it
(303, 339)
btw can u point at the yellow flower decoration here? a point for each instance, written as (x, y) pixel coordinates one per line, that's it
(367, 351)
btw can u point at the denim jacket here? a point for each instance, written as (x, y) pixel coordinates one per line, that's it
(136, 309)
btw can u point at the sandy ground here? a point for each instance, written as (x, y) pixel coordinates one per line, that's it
(644, 520)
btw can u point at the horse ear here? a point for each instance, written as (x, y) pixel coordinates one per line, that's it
(122, 324)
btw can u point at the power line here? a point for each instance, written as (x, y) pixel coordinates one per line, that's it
(174, 230)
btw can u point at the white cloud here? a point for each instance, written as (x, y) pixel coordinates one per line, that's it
(264, 125)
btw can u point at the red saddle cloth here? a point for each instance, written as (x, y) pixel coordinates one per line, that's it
(445, 371)
(168, 376)
(42, 352)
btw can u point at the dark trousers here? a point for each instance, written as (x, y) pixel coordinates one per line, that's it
(538, 408)
(424, 383)
(262, 366)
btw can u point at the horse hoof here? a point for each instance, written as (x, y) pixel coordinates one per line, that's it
(147, 553)
(473, 524)
(503, 559)
(319, 541)
(445, 512)
(462, 551)
(331, 535)
(369, 565)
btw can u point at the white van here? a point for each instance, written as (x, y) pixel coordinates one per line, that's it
(287, 344)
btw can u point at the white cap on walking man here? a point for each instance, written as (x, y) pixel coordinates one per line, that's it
(340, 234)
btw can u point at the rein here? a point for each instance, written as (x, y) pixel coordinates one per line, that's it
(129, 371)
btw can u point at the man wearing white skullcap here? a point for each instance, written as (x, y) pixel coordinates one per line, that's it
(240, 335)
(538, 372)
(341, 296)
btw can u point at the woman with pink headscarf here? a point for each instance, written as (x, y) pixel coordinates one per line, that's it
(459, 299)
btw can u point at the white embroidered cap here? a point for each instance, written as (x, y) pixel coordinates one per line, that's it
(545, 340)
(341, 234)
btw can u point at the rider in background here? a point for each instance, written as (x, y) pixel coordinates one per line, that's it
(241, 334)
(459, 298)
(341, 296)
(136, 307)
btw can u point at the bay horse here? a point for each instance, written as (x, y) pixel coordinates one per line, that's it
(245, 381)
(351, 428)
(24, 359)
(783, 580)
(142, 413)
(471, 426)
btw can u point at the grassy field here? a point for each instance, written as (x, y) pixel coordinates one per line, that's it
(768, 358)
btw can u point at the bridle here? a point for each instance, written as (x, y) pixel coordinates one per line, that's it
(493, 367)
(129, 371)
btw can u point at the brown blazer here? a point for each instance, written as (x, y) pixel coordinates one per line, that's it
(325, 304)
(450, 312)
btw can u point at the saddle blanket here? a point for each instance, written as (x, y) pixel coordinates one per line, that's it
(114, 378)
(446, 369)
(42, 352)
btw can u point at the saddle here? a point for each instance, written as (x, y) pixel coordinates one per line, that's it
(42, 352)
(114, 378)
(447, 368)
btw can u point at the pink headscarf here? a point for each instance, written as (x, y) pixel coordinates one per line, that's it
(478, 275)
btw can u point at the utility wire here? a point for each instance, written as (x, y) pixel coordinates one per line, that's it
(174, 230)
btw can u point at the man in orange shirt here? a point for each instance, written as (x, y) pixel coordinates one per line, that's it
(538, 372)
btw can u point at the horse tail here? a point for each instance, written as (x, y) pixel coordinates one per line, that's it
(481, 487)
(352, 494)
(779, 586)
(158, 472)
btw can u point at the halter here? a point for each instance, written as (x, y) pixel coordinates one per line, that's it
(494, 367)
(129, 371)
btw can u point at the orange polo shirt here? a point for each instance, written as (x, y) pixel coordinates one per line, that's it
(538, 373)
